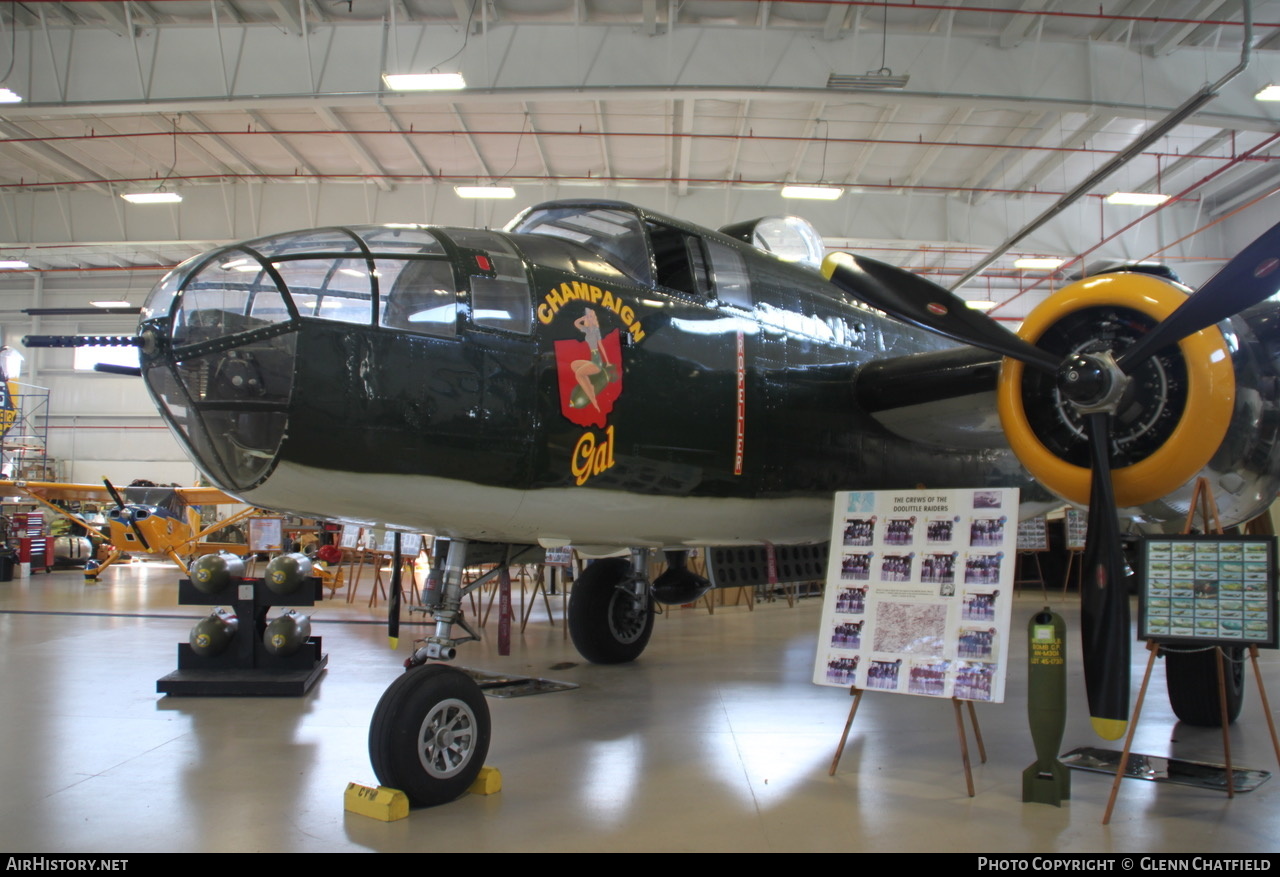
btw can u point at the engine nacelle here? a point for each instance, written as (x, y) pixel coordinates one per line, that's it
(1205, 406)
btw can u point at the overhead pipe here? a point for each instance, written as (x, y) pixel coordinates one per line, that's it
(763, 138)
(468, 178)
(1161, 128)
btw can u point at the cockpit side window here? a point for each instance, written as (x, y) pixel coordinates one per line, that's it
(679, 260)
(616, 235)
(419, 296)
(732, 283)
(332, 289)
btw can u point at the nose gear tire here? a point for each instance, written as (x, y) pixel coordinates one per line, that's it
(430, 734)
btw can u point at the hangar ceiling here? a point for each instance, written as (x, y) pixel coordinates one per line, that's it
(266, 115)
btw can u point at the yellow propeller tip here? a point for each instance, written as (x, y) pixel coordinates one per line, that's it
(1109, 729)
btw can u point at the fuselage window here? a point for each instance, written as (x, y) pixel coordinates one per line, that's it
(733, 286)
(503, 301)
(678, 259)
(419, 296)
(331, 289)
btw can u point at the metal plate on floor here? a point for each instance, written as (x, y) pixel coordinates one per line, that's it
(508, 685)
(1200, 774)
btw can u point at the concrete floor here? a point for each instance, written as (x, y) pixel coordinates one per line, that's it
(714, 740)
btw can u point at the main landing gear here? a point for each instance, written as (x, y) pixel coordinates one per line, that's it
(611, 609)
(1193, 685)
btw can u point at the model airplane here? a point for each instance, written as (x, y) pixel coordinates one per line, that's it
(605, 376)
(147, 520)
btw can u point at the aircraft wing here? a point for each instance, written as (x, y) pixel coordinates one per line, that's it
(944, 398)
(55, 490)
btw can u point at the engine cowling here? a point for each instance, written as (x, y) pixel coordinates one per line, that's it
(1191, 409)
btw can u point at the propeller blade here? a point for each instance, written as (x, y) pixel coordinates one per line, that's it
(393, 609)
(1104, 599)
(119, 501)
(922, 303)
(113, 493)
(1251, 277)
(137, 531)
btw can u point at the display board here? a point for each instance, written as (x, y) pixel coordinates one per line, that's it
(1033, 534)
(1208, 590)
(919, 592)
(266, 534)
(1077, 526)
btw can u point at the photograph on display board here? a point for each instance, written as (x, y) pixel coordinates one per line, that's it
(884, 675)
(1208, 590)
(856, 567)
(940, 531)
(938, 569)
(842, 669)
(859, 531)
(851, 601)
(981, 568)
(899, 531)
(913, 603)
(979, 605)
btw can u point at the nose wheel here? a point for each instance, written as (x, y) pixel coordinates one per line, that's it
(430, 734)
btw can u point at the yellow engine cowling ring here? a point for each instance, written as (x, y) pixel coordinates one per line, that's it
(1211, 392)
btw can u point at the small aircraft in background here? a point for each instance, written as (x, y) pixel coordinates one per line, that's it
(147, 520)
(608, 377)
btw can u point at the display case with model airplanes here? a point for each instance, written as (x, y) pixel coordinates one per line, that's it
(602, 375)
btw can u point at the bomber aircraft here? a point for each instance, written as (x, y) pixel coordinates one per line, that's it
(604, 376)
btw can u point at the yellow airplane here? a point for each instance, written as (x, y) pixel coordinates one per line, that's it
(151, 520)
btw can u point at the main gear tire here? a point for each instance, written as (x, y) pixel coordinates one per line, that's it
(608, 624)
(1193, 685)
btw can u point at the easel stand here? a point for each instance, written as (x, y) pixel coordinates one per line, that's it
(857, 693)
(1202, 501)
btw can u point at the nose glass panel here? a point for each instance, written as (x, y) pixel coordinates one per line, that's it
(227, 387)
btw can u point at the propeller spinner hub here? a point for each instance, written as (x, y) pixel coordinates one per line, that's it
(1092, 382)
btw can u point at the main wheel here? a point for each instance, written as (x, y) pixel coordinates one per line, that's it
(1193, 685)
(607, 623)
(430, 734)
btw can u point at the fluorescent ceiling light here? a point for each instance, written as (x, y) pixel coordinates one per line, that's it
(152, 197)
(815, 193)
(1271, 92)
(485, 191)
(1038, 264)
(9, 96)
(110, 304)
(424, 81)
(13, 263)
(872, 80)
(981, 305)
(242, 265)
(1141, 199)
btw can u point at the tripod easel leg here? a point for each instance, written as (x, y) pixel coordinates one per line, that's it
(853, 710)
(1266, 707)
(964, 746)
(1154, 648)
